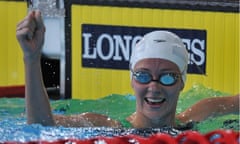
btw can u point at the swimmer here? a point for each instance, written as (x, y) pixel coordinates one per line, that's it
(158, 68)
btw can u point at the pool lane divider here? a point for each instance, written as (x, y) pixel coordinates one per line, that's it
(187, 137)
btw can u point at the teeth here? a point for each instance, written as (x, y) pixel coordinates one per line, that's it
(151, 100)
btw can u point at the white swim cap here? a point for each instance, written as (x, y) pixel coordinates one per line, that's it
(162, 45)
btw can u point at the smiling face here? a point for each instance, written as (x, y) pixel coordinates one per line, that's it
(156, 103)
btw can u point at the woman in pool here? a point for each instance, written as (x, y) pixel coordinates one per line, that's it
(158, 68)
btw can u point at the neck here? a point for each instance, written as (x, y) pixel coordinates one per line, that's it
(138, 120)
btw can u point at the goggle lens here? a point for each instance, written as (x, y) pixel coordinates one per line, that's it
(142, 77)
(167, 79)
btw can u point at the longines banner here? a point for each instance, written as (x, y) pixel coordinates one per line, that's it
(110, 47)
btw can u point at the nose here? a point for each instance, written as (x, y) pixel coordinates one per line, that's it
(155, 87)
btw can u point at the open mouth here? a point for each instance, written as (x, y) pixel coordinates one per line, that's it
(155, 101)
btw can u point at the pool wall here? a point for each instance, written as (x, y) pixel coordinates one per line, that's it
(103, 35)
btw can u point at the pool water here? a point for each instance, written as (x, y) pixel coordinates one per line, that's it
(13, 125)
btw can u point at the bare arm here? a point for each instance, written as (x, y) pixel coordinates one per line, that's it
(30, 35)
(86, 120)
(210, 107)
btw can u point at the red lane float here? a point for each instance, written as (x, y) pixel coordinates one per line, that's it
(188, 137)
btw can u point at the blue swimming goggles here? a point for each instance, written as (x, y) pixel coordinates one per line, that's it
(166, 79)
